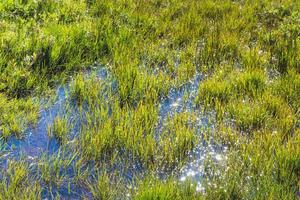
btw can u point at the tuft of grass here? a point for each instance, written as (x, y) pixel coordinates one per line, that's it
(213, 92)
(59, 129)
(177, 139)
(154, 189)
(89, 90)
(106, 187)
(248, 115)
(16, 182)
(277, 178)
(288, 87)
(17, 116)
(251, 82)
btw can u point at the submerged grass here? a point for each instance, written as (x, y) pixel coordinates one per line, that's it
(247, 52)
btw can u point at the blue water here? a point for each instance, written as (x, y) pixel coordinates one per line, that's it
(37, 143)
(180, 100)
(36, 138)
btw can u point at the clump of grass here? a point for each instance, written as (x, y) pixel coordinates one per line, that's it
(99, 140)
(227, 135)
(89, 90)
(248, 115)
(135, 86)
(185, 71)
(282, 117)
(125, 128)
(285, 48)
(249, 99)
(52, 170)
(288, 87)
(77, 89)
(251, 82)
(59, 129)
(112, 127)
(19, 83)
(19, 114)
(213, 91)
(155, 189)
(246, 177)
(106, 187)
(222, 88)
(16, 183)
(177, 139)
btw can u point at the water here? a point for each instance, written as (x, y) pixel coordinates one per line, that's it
(37, 142)
(195, 168)
(183, 100)
(36, 139)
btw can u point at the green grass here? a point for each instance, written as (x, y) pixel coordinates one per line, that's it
(106, 187)
(59, 129)
(133, 130)
(16, 116)
(248, 115)
(153, 189)
(16, 183)
(247, 52)
(178, 138)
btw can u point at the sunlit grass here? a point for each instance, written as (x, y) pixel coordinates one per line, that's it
(16, 183)
(59, 129)
(246, 51)
(154, 189)
(16, 116)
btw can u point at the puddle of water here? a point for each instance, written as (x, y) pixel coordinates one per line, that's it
(36, 139)
(178, 100)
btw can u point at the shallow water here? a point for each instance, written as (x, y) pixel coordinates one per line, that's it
(36, 139)
(37, 142)
(182, 100)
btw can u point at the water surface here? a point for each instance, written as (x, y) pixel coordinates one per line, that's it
(37, 143)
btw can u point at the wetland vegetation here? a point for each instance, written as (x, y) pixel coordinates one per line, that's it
(149, 99)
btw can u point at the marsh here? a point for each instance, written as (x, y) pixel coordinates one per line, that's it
(149, 99)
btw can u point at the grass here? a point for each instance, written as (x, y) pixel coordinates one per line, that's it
(277, 178)
(248, 115)
(106, 187)
(246, 51)
(59, 129)
(154, 189)
(133, 130)
(16, 183)
(17, 116)
(178, 138)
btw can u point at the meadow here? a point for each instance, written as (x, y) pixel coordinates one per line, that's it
(149, 99)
